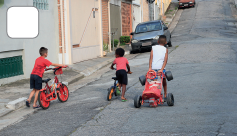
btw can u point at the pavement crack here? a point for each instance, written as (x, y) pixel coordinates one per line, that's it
(219, 129)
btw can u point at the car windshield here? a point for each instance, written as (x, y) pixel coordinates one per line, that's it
(154, 26)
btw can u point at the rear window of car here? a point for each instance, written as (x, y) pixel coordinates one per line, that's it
(154, 26)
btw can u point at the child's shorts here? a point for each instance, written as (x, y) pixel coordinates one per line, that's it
(122, 77)
(156, 70)
(35, 82)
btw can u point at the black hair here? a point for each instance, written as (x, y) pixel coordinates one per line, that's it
(120, 52)
(162, 39)
(43, 50)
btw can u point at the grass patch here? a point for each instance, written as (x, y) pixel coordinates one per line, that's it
(176, 8)
(176, 46)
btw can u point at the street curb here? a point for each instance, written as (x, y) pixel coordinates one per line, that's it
(173, 18)
(93, 69)
(73, 79)
(5, 112)
(16, 104)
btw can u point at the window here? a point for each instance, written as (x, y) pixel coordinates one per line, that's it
(12, 66)
(41, 4)
(154, 26)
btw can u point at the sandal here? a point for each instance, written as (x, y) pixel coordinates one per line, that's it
(124, 100)
(27, 103)
(36, 107)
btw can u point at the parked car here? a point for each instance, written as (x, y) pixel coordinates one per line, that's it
(147, 34)
(186, 3)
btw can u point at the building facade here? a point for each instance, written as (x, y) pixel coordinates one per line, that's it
(17, 56)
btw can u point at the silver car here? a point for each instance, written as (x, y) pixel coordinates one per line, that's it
(147, 34)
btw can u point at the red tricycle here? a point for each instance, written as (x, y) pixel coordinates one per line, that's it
(48, 93)
(152, 93)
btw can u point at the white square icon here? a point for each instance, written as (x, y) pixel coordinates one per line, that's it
(22, 22)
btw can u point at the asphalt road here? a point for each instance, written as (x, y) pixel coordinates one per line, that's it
(203, 64)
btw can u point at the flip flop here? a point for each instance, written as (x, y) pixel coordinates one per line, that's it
(124, 100)
(27, 104)
(36, 107)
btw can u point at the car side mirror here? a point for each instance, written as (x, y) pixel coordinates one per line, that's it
(131, 33)
(165, 28)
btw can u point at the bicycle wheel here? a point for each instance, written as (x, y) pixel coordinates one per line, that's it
(41, 98)
(63, 93)
(110, 93)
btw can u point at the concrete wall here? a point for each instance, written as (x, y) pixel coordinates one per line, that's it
(91, 44)
(29, 48)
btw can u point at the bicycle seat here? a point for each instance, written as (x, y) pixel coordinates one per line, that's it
(114, 78)
(46, 80)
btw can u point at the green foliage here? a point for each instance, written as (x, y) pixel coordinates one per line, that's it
(124, 39)
(105, 46)
(115, 43)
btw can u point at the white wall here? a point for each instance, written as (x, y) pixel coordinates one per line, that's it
(48, 37)
(91, 44)
(136, 16)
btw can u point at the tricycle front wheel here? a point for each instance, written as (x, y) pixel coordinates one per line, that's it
(42, 100)
(137, 101)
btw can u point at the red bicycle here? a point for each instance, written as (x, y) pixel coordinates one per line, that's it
(48, 93)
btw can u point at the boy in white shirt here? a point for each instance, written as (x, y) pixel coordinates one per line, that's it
(159, 58)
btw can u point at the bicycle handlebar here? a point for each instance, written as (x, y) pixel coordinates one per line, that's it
(56, 68)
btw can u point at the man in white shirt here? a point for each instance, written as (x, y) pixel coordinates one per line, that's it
(159, 58)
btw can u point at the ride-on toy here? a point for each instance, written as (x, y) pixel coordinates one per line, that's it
(152, 93)
(48, 93)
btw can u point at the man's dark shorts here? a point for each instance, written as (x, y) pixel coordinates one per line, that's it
(122, 77)
(35, 82)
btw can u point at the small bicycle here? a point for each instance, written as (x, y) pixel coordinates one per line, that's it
(113, 90)
(48, 93)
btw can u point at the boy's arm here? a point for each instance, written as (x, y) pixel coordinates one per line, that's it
(57, 65)
(112, 66)
(128, 67)
(165, 61)
(151, 59)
